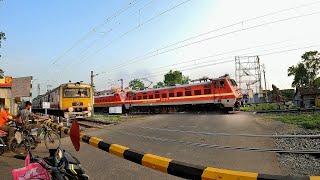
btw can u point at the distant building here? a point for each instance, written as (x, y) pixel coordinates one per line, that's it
(307, 97)
(12, 90)
(5, 92)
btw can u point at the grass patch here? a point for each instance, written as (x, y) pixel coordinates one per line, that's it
(106, 117)
(267, 107)
(309, 121)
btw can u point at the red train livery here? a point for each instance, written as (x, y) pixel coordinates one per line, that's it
(221, 92)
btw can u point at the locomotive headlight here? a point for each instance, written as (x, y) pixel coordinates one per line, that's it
(70, 109)
(89, 108)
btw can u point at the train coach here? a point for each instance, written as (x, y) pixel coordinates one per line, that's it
(216, 93)
(70, 100)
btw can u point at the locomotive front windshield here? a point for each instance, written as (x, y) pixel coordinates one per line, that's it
(233, 82)
(76, 93)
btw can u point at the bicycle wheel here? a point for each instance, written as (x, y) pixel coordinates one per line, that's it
(52, 140)
(19, 148)
(2, 146)
(33, 143)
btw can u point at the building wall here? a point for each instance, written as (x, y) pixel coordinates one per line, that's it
(309, 101)
(318, 101)
(5, 93)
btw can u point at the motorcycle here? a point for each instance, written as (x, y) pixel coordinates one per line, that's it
(62, 165)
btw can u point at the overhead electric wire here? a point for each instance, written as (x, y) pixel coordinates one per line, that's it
(138, 26)
(105, 34)
(219, 54)
(192, 67)
(232, 32)
(93, 30)
(145, 56)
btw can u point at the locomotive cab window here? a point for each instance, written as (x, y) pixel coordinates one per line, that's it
(233, 82)
(216, 84)
(76, 93)
(222, 84)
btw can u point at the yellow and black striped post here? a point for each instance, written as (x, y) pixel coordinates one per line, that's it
(176, 168)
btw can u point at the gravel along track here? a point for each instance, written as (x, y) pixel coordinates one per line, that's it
(298, 164)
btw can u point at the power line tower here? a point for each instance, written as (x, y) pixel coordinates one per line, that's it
(248, 75)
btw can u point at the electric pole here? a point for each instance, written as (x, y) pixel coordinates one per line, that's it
(121, 81)
(38, 87)
(265, 81)
(91, 79)
(93, 90)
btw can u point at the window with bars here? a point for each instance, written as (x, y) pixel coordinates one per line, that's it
(179, 94)
(197, 92)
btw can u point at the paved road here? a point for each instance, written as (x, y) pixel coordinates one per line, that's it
(100, 164)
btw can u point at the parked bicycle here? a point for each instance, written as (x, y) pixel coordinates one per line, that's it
(51, 138)
(3, 138)
(23, 139)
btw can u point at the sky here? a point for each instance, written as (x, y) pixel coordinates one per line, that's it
(58, 41)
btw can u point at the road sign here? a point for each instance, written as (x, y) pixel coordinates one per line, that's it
(45, 105)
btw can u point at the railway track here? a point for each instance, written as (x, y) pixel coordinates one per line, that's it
(313, 152)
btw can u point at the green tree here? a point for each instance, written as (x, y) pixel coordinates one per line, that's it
(136, 84)
(305, 72)
(175, 77)
(2, 37)
(300, 74)
(311, 60)
(159, 84)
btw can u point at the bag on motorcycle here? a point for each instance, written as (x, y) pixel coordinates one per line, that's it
(30, 171)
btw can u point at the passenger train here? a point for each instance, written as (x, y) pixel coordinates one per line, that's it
(70, 100)
(216, 93)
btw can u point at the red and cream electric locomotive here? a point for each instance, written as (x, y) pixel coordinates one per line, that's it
(216, 93)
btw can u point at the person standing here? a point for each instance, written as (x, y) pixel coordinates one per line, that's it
(4, 118)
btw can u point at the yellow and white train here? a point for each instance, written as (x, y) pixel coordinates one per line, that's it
(70, 100)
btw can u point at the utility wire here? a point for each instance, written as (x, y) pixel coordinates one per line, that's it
(232, 32)
(156, 52)
(93, 30)
(84, 52)
(219, 54)
(192, 67)
(137, 27)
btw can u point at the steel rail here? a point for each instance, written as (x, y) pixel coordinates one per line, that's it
(216, 146)
(316, 136)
